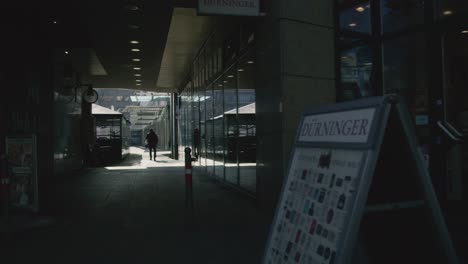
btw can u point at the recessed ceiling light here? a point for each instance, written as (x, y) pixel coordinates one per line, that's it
(134, 42)
(230, 76)
(131, 7)
(55, 22)
(447, 12)
(137, 80)
(250, 62)
(133, 26)
(368, 63)
(225, 81)
(66, 52)
(136, 68)
(220, 85)
(464, 32)
(360, 9)
(352, 24)
(135, 50)
(137, 75)
(240, 70)
(136, 60)
(138, 84)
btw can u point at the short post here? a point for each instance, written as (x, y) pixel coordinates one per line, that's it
(4, 185)
(188, 187)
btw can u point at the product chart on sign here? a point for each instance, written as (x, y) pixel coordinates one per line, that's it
(317, 199)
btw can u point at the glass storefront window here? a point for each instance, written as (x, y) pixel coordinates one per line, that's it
(355, 17)
(357, 72)
(456, 80)
(404, 71)
(247, 137)
(210, 140)
(230, 125)
(401, 14)
(218, 128)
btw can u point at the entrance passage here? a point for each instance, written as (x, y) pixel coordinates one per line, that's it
(134, 212)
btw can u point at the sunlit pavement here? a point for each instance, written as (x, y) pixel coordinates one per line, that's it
(134, 212)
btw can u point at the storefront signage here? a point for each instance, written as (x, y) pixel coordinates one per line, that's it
(229, 7)
(348, 126)
(333, 169)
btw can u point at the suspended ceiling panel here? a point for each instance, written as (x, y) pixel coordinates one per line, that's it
(187, 32)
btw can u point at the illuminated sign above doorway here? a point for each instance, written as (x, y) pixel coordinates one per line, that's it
(229, 7)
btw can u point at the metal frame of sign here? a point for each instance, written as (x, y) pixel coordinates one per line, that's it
(371, 149)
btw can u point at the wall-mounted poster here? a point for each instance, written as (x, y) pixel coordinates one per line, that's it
(22, 161)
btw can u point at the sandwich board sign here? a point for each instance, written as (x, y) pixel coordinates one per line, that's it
(357, 191)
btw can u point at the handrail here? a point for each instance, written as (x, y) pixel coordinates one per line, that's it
(454, 130)
(448, 132)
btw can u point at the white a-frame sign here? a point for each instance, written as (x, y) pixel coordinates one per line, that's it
(358, 191)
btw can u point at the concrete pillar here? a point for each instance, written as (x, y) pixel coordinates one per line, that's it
(296, 69)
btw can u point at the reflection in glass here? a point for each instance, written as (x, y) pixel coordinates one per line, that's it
(210, 140)
(456, 80)
(356, 74)
(230, 125)
(355, 17)
(400, 14)
(202, 98)
(218, 128)
(247, 138)
(450, 8)
(405, 68)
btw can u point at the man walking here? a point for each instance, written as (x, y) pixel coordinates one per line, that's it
(152, 141)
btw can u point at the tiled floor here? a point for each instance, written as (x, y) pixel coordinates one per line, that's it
(134, 212)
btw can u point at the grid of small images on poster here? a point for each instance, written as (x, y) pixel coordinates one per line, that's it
(314, 206)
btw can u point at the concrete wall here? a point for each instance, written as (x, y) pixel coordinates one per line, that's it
(296, 69)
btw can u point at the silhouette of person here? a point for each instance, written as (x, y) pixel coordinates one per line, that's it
(152, 141)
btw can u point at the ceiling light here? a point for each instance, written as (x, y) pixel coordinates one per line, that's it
(137, 75)
(137, 80)
(55, 22)
(250, 62)
(447, 12)
(352, 24)
(132, 26)
(135, 50)
(368, 63)
(138, 84)
(464, 32)
(134, 42)
(131, 7)
(220, 85)
(136, 68)
(240, 70)
(360, 9)
(230, 76)
(136, 60)
(66, 52)
(225, 81)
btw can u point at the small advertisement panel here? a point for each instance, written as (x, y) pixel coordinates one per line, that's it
(22, 161)
(229, 7)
